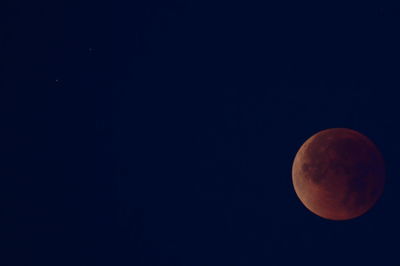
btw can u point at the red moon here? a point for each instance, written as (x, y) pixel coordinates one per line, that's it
(338, 174)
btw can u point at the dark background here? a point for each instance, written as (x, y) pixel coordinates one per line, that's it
(163, 132)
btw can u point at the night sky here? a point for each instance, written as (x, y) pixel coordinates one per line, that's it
(163, 132)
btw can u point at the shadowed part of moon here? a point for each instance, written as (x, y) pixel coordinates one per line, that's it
(338, 174)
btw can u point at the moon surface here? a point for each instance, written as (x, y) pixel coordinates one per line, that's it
(338, 174)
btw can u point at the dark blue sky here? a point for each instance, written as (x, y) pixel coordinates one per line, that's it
(163, 132)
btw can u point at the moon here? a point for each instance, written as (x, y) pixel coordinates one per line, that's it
(338, 174)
